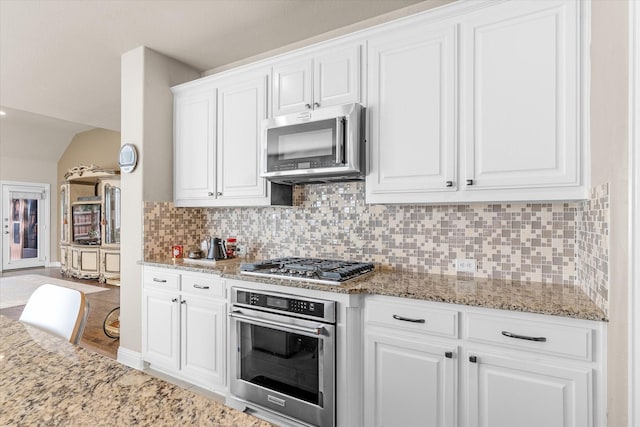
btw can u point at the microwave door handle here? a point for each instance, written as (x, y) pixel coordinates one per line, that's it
(316, 331)
(340, 129)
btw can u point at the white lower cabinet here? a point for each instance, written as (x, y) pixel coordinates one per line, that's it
(508, 391)
(411, 371)
(423, 376)
(184, 326)
(493, 368)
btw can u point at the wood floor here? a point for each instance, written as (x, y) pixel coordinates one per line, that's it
(100, 304)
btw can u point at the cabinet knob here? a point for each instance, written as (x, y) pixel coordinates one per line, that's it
(469, 182)
(183, 302)
(174, 299)
(210, 193)
(307, 106)
(219, 193)
(316, 105)
(449, 184)
(473, 359)
(448, 355)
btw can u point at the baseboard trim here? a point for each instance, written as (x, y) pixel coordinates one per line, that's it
(130, 358)
(53, 264)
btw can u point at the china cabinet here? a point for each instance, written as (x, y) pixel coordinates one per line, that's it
(90, 224)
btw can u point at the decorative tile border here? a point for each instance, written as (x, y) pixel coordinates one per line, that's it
(529, 242)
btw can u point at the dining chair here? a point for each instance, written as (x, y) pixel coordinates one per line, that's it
(58, 310)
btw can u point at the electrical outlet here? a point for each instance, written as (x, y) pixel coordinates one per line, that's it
(241, 250)
(466, 265)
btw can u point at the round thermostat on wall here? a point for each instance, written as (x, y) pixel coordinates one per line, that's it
(128, 158)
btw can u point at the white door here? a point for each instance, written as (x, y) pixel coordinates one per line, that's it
(241, 110)
(409, 382)
(25, 224)
(292, 87)
(203, 343)
(194, 147)
(412, 111)
(161, 337)
(520, 86)
(336, 77)
(507, 392)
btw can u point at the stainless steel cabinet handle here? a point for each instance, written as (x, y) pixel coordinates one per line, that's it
(174, 299)
(316, 105)
(183, 302)
(316, 331)
(407, 319)
(159, 280)
(200, 286)
(219, 193)
(449, 183)
(210, 193)
(523, 337)
(307, 106)
(469, 182)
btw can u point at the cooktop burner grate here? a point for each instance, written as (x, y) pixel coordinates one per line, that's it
(317, 270)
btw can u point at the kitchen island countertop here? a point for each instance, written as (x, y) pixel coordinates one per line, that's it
(533, 297)
(45, 380)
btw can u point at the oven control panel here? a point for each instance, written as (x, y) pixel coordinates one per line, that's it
(283, 303)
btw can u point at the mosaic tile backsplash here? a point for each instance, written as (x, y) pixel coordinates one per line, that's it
(530, 242)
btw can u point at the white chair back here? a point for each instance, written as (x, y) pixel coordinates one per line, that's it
(58, 310)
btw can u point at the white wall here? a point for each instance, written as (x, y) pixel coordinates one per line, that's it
(609, 164)
(147, 122)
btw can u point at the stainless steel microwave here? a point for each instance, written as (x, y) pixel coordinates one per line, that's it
(327, 144)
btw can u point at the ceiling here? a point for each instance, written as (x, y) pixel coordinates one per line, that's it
(61, 59)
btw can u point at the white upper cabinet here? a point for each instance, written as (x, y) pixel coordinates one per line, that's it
(484, 105)
(194, 144)
(331, 77)
(412, 108)
(520, 96)
(241, 109)
(218, 126)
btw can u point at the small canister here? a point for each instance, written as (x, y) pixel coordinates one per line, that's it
(231, 247)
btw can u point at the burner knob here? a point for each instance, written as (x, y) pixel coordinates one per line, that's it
(310, 273)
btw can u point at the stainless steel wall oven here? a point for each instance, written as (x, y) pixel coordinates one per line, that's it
(285, 354)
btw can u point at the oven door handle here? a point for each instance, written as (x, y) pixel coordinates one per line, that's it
(316, 331)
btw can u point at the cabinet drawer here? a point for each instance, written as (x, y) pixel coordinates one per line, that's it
(543, 337)
(413, 317)
(161, 279)
(203, 285)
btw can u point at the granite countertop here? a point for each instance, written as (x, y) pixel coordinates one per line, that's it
(45, 380)
(533, 297)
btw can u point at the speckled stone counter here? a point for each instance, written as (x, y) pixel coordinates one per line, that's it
(46, 381)
(544, 298)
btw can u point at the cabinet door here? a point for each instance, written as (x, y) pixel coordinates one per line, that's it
(336, 77)
(65, 206)
(161, 331)
(241, 110)
(194, 147)
(412, 105)
(506, 392)
(520, 95)
(89, 261)
(292, 87)
(203, 341)
(110, 224)
(409, 382)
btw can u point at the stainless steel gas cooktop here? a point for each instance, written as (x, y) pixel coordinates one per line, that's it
(315, 270)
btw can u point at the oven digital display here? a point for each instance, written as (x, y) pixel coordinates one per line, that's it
(277, 302)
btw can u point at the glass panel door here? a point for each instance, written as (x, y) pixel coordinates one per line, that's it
(111, 214)
(24, 215)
